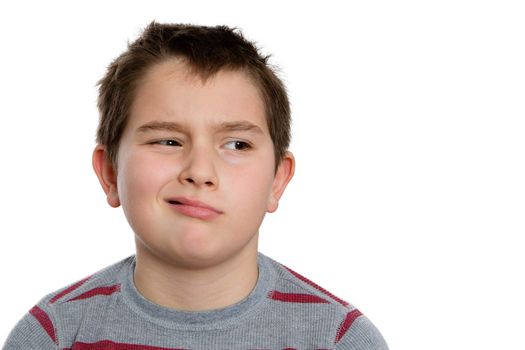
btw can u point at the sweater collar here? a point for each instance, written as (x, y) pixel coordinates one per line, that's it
(212, 319)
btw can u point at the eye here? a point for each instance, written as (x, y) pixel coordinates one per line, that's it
(238, 145)
(168, 142)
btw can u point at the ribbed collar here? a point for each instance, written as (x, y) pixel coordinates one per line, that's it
(201, 320)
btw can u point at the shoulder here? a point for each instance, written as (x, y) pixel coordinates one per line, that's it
(362, 335)
(104, 282)
(288, 278)
(349, 328)
(63, 308)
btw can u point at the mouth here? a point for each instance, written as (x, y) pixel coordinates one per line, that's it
(194, 208)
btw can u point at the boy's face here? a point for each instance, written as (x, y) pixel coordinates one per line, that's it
(196, 165)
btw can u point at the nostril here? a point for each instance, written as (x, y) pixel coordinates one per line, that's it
(207, 183)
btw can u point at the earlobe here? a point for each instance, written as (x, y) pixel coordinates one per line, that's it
(106, 174)
(284, 174)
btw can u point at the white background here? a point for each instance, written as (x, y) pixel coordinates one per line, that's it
(409, 135)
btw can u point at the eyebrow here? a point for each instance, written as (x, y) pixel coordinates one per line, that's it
(241, 125)
(161, 126)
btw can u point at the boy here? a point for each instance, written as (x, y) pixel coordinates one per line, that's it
(192, 142)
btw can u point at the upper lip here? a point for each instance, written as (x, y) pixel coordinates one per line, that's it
(192, 202)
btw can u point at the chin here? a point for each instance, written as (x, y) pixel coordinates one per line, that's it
(195, 251)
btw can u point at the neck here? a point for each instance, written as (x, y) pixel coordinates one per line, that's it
(196, 289)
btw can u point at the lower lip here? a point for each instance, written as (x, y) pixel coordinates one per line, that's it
(195, 212)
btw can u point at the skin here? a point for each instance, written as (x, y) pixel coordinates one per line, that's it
(210, 155)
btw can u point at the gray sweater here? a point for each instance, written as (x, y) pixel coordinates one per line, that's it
(106, 312)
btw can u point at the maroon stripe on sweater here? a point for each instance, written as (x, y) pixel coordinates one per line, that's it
(97, 291)
(316, 286)
(347, 322)
(68, 290)
(44, 320)
(296, 297)
(111, 345)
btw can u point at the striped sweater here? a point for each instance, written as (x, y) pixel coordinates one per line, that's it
(106, 312)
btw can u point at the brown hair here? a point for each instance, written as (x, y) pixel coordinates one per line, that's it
(206, 50)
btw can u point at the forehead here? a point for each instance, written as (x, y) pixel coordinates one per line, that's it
(170, 90)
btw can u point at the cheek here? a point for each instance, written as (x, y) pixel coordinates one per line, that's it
(140, 180)
(251, 186)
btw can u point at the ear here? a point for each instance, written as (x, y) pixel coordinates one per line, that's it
(282, 177)
(107, 176)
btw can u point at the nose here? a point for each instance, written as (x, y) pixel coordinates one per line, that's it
(199, 169)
